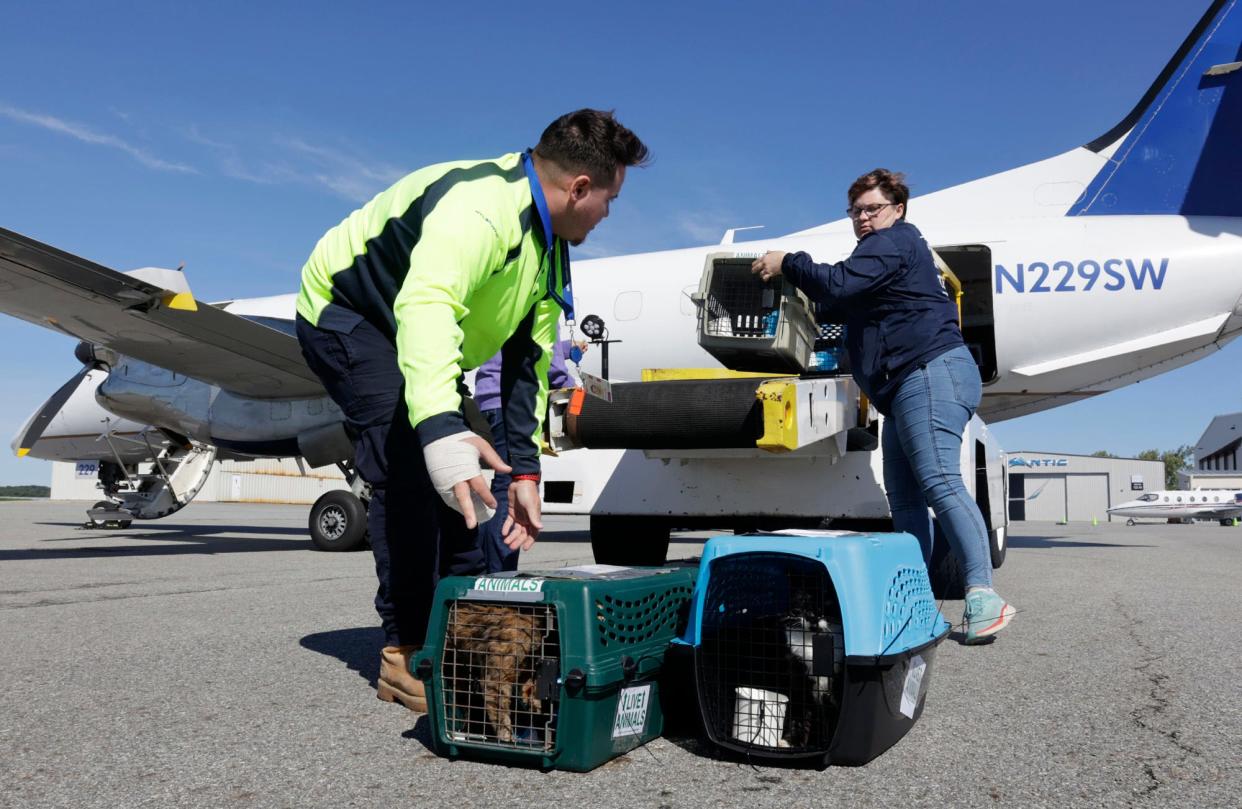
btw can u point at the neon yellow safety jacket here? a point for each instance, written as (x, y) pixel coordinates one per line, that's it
(452, 263)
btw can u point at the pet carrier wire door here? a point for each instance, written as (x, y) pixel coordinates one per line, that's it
(558, 669)
(753, 325)
(813, 648)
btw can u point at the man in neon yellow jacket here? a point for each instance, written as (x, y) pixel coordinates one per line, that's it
(433, 277)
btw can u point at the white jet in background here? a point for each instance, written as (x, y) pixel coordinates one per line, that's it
(1224, 505)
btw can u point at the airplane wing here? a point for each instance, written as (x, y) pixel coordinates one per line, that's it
(60, 291)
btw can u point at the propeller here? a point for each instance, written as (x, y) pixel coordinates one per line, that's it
(85, 353)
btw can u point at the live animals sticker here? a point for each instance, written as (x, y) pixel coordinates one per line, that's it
(914, 681)
(632, 705)
(597, 387)
(509, 585)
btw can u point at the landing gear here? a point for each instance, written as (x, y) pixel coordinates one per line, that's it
(1130, 521)
(338, 522)
(96, 521)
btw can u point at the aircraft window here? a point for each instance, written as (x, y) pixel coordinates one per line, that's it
(628, 305)
(1166, 498)
(1147, 498)
(1215, 499)
(1179, 499)
(687, 305)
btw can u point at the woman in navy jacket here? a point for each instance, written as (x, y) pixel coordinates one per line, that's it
(908, 356)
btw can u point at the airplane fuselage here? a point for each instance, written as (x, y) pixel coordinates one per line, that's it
(1061, 308)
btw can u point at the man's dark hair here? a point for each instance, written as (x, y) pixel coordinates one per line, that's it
(892, 184)
(591, 142)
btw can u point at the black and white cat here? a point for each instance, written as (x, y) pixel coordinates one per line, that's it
(812, 699)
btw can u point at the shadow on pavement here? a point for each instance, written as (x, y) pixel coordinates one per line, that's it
(421, 732)
(224, 546)
(564, 536)
(358, 648)
(179, 540)
(155, 529)
(1056, 542)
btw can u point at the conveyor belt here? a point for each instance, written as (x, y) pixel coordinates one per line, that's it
(681, 414)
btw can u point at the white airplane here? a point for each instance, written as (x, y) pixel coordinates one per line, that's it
(1224, 505)
(1093, 269)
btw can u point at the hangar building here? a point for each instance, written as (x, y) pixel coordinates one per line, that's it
(1216, 456)
(1058, 487)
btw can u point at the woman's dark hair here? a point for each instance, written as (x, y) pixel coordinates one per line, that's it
(591, 142)
(892, 184)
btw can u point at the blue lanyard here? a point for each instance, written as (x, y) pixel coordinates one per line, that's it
(545, 220)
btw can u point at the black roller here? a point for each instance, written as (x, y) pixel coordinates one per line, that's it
(682, 414)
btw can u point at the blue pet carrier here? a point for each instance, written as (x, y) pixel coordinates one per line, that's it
(811, 647)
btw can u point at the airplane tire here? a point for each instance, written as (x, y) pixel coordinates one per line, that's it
(998, 542)
(338, 522)
(108, 523)
(1130, 522)
(629, 541)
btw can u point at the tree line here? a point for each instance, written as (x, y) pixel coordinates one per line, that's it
(1175, 460)
(25, 491)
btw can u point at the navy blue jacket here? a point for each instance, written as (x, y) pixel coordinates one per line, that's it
(889, 296)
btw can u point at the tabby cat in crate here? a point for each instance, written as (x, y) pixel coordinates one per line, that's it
(494, 644)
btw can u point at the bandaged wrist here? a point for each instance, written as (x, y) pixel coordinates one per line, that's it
(452, 460)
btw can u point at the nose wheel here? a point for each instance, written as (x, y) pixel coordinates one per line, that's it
(338, 522)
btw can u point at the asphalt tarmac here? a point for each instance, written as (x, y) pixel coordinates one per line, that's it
(216, 660)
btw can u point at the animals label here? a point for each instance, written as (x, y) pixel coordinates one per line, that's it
(914, 680)
(632, 705)
(509, 585)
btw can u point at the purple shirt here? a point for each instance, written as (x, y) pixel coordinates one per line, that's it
(487, 377)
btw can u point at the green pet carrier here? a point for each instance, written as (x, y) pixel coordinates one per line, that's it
(557, 669)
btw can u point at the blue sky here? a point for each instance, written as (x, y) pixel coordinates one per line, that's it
(229, 136)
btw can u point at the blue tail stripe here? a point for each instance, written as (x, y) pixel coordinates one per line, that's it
(1184, 155)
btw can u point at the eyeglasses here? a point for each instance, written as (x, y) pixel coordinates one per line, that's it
(855, 212)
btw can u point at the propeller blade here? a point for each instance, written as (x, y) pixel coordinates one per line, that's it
(49, 410)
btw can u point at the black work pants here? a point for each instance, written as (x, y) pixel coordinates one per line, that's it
(415, 537)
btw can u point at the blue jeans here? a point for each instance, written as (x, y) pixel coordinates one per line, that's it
(496, 554)
(922, 442)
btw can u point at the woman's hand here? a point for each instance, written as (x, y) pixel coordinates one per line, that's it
(769, 266)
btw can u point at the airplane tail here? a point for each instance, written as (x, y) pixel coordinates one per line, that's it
(1179, 151)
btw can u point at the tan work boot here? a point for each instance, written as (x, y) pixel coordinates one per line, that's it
(396, 684)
